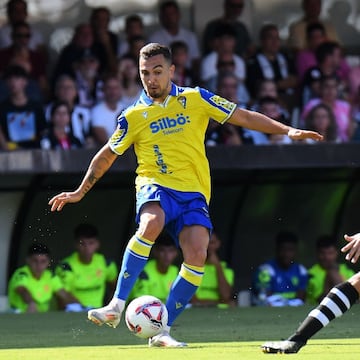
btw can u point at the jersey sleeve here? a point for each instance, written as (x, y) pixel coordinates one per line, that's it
(66, 276)
(121, 140)
(217, 107)
(56, 284)
(111, 272)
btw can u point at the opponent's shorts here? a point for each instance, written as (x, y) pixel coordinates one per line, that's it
(181, 208)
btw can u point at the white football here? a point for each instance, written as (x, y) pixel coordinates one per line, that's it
(146, 316)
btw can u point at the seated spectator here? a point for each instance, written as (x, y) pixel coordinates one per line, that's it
(32, 287)
(281, 281)
(58, 136)
(22, 121)
(66, 90)
(134, 27)
(232, 9)
(340, 108)
(160, 271)
(216, 288)
(311, 14)
(183, 74)
(104, 114)
(88, 79)
(225, 134)
(271, 63)
(327, 272)
(103, 37)
(20, 53)
(86, 273)
(128, 75)
(306, 58)
(171, 30)
(329, 63)
(17, 12)
(81, 43)
(322, 119)
(221, 58)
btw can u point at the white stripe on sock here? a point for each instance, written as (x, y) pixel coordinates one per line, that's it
(320, 316)
(332, 306)
(342, 296)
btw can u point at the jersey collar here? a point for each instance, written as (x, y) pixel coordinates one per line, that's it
(174, 91)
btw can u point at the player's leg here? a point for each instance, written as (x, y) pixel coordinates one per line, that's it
(339, 300)
(194, 241)
(136, 254)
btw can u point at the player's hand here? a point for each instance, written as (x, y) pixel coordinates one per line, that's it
(60, 200)
(298, 134)
(352, 248)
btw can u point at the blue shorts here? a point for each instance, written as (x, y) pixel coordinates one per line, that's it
(181, 208)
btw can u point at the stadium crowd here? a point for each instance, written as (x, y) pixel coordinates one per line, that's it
(73, 101)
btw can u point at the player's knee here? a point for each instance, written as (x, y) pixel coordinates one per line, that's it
(150, 226)
(195, 256)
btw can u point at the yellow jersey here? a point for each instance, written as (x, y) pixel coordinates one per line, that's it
(168, 138)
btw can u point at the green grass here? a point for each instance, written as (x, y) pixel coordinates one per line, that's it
(211, 334)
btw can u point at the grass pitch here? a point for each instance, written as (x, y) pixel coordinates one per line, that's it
(211, 334)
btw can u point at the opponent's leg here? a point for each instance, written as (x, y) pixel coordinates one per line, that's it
(335, 304)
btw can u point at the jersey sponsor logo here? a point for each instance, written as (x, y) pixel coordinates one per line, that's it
(160, 160)
(222, 103)
(168, 125)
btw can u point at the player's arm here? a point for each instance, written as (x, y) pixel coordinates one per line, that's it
(100, 163)
(257, 121)
(352, 248)
(27, 298)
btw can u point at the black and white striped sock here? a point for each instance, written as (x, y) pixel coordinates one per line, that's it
(335, 304)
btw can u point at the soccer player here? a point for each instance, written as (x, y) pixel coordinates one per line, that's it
(167, 128)
(339, 300)
(86, 273)
(33, 286)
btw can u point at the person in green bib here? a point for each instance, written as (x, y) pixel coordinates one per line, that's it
(86, 273)
(216, 288)
(327, 272)
(33, 286)
(160, 271)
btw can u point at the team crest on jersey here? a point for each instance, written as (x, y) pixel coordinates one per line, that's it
(121, 131)
(182, 101)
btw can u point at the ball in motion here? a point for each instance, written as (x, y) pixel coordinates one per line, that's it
(146, 316)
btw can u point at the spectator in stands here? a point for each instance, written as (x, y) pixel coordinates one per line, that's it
(297, 30)
(232, 10)
(327, 272)
(341, 108)
(306, 58)
(330, 62)
(20, 53)
(134, 27)
(183, 74)
(33, 286)
(81, 42)
(135, 44)
(128, 75)
(160, 271)
(171, 30)
(271, 63)
(103, 37)
(86, 273)
(58, 136)
(281, 281)
(226, 134)
(223, 59)
(65, 90)
(104, 114)
(22, 121)
(88, 79)
(17, 12)
(322, 119)
(216, 288)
